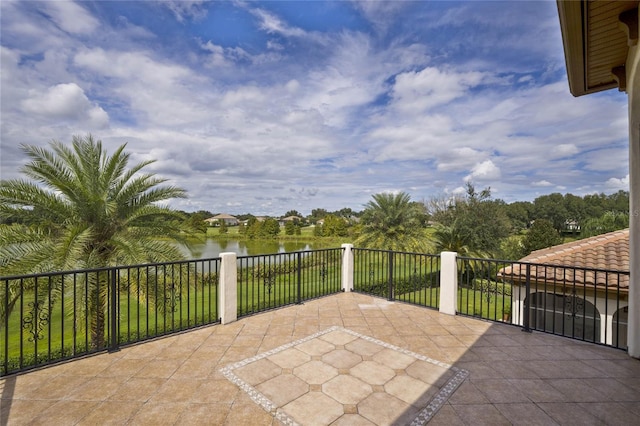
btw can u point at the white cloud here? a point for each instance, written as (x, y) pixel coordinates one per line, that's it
(71, 17)
(565, 150)
(542, 183)
(66, 101)
(483, 172)
(417, 92)
(186, 9)
(618, 183)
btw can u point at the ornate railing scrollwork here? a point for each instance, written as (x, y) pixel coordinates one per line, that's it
(35, 320)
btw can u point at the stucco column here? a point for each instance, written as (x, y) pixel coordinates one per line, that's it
(228, 288)
(347, 267)
(633, 91)
(448, 282)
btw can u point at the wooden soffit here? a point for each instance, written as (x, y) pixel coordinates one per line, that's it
(596, 36)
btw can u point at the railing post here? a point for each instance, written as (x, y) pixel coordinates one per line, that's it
(527, 300)
(347, 267)
(390, 275)
(228, 288)
(448, 282)
(113, 290)
(299, 278)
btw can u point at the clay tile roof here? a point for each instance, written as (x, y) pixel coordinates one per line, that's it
(608, 252)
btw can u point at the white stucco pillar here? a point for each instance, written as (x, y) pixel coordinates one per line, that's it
(347, 267)
(228, 288)
(448, 282)
(633, 91)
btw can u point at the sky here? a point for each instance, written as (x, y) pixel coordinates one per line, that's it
(266, 107)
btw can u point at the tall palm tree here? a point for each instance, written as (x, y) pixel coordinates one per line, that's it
(87, 210)
(391, 222)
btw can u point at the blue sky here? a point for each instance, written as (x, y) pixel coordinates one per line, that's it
(264, 107)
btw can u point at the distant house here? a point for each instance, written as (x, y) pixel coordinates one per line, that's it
(294, 219)
(223, 217)
(579, 288)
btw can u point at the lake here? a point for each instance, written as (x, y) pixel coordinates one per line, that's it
(212, 248)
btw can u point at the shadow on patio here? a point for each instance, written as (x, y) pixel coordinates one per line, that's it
(514, 377)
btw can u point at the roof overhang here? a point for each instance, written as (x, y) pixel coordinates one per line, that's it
(596, 36)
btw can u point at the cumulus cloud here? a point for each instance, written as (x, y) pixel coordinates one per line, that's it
(347, 108)
(416, 92)
(68, 102)
(618, 183)
(483, 172)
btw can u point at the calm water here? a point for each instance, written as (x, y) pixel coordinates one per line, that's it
(212, 248)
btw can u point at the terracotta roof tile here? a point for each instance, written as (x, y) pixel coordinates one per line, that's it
(595, 261)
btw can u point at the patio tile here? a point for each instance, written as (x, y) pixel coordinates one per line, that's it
(314, 408)
(96, 389)
(352, 420)
(446, 416)
(219, 391)
(176, 390)
(569, 414)
(123, 367)
(537, 390)
(410, 390)
(347, 389)
(374, 373)
(611, 413)
(259, 371)
(315, 347)
(177, 379)
(340, 358)
(23, 411)
(480, 414)
(499, 391)
(111, 413)
(204, 414)
(315, 372)
(468, 393)
(161, 368)
(65, 412)
(290, 358)
(137, 389)
(525, 414)
(283, 389)
(384, 409)
(157, 413)
(577, 390)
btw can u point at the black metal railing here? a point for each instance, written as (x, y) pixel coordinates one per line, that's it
(407, 277)
(47, 318)
(581, 303)
(480, 293)
(275, 280)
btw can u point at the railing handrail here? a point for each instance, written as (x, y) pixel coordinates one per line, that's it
(104, 268)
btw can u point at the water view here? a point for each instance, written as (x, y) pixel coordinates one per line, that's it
(212, 247)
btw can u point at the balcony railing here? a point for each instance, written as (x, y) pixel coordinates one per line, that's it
(47, 318)
(407, 277)
(272, 281)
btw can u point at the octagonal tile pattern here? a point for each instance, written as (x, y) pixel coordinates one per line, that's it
(338, 376)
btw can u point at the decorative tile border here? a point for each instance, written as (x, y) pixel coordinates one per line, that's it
(421, 419)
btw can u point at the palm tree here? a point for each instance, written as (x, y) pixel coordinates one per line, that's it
(86, 210)
(391, 222)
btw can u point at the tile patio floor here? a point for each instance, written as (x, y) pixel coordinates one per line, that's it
(382, 363)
